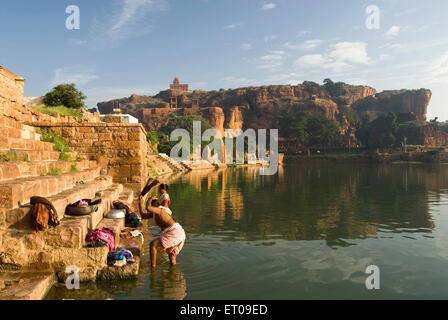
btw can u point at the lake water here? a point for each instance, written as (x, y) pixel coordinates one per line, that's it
(308, 232)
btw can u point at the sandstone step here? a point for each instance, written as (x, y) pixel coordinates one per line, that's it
(72, 231)
(19, 143)
(19, 218)
(34, 155)
(25, 286)
(8, 122)
(22, 169)
(23, 188)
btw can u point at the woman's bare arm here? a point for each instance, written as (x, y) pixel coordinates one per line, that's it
(144, 214)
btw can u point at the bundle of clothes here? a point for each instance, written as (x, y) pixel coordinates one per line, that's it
(43, 213)
(131, 217)
(120, 257)
(129, 233)
(101, 237)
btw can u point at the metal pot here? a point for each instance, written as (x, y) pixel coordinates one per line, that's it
(81, 211)
(115, 214)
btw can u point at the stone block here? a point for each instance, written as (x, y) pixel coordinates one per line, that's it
(70, 233)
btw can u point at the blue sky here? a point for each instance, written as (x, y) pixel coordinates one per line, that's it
(139, 46)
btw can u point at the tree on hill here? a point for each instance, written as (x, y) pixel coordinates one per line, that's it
(380, 133)
(336, 89)
(65, 95)
(178, 122)
(310, 131)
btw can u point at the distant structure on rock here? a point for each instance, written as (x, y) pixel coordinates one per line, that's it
(177, 89)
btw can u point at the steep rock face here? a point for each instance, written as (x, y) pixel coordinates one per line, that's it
(261, 107)
(429, 134)
(397, 101)
(234, 118)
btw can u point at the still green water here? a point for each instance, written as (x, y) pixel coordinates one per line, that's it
(308, 232)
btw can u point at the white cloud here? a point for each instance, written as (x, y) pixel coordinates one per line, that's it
(72, 75)
(292, 46)
(438, 69)
(310, 60)
(311, 44)
(127, 19)
(393, 46)
(384, 57)
(269, 38)
(393, 31)
(232, 26)
(339, 58)
(351, 52)
(246, 46)
(268, 6)
(272, 61)
(306, 45)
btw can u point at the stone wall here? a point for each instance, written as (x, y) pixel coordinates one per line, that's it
(119, 148)
(11, 87)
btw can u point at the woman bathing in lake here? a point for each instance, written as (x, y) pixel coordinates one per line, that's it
(172, 238)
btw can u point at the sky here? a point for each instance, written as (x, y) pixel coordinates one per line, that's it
(138, 46)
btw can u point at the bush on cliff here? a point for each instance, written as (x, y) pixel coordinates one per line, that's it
(380, 133)
(310, 131)
(66, 95)
(180, 122)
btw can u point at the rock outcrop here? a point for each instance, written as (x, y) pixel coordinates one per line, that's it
(261, 107)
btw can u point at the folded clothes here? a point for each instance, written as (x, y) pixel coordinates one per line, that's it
(120, 255)
(103, 234)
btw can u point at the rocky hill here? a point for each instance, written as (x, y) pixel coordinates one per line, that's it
(260, 107)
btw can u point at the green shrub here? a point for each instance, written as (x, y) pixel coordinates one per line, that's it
(63, 156)
(58, 110)
(66, 95)
(73, 167)
(59, 144)
(9, 156)
(54, 171)
(55, 138)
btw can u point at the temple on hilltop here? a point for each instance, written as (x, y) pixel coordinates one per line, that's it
(177, 89)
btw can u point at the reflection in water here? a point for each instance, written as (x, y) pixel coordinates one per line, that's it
(169, 284)
(310, 203)
(307, 232)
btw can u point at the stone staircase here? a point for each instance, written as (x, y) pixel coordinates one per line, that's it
(173, 164)
(27, 254)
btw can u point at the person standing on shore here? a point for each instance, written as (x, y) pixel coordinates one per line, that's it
(172, 238)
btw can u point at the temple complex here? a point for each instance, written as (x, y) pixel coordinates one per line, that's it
(177, 89)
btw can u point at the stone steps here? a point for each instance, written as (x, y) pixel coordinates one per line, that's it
(174, 165)
(23, 169)
(19, 143)
(25, 286)
(72, 231)
(35, 155)
(23, 188)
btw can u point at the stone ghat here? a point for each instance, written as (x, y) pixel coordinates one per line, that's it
(35, 254)
(119, 148)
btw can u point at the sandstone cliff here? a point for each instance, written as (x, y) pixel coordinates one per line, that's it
(260, 107)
